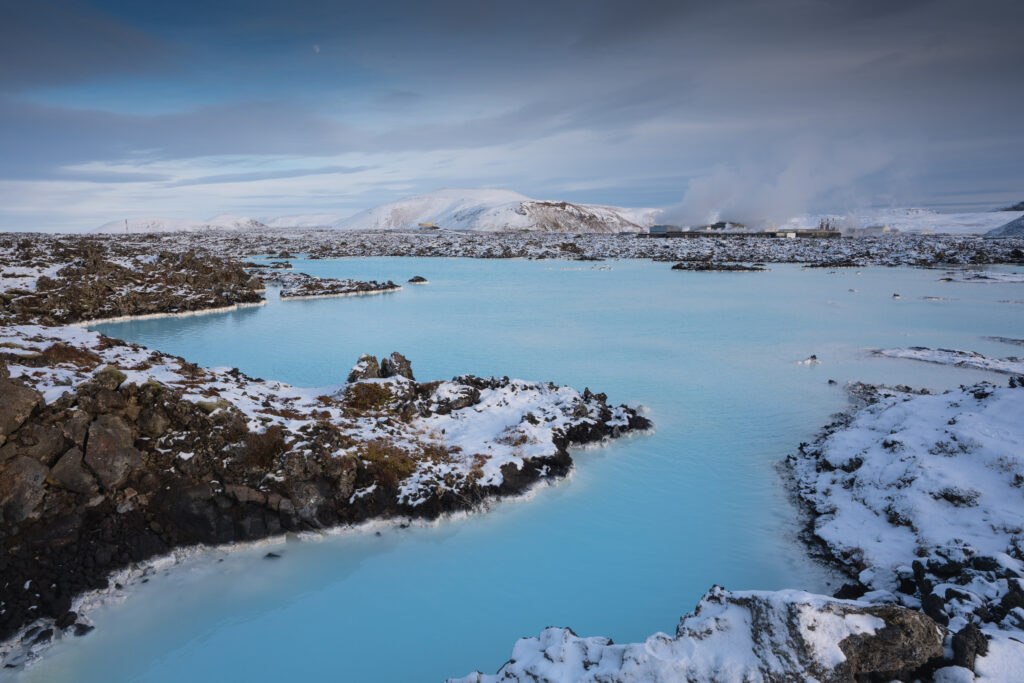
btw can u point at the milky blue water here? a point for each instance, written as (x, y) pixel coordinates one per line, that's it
(623, 548)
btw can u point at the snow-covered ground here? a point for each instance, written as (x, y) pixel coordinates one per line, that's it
(922, 494)
(964, 359)
(147, 225)
(304, 220)
(910, 220)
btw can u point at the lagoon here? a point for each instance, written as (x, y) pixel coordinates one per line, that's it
(624, 547)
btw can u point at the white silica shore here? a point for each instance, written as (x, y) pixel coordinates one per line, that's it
(967, 359)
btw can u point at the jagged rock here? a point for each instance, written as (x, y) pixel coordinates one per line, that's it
(743, 636)
(396, 365)
(366, 368)
(463, 397)
(969, 643)
(16, 405)
(109, 377)
(69, 473)
(43, 442)
(109, 451)
(418, 280)
(76, 427)
(21, 488)
(153, 422)
(908, 641)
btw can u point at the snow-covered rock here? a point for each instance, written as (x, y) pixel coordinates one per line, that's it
(146, 225)
(754, 636)
(496, 211)
(1014, 228)
(963, 359)
(920, 495)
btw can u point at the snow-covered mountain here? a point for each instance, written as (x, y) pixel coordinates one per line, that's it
(1014, 228)
(221, 222)
(909, 220)
(304, 220)
(496, 211)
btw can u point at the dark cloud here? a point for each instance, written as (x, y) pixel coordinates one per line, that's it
(270, 175)
(621, 96)
(51, 43)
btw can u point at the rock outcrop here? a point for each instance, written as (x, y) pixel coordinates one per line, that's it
(744, 636)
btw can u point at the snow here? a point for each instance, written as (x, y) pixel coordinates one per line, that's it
(933, 480)
(754, 636)
(942, 465)
(964, 359)
(909, 220)
(985, 276)
(304, 220)
(148, 225)
(1014, 228)
(512, 421)
(495, 211)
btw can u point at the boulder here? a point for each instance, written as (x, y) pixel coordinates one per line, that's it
(396, 365)
(21, 488)
(969, 643)
(909, 641)
(109, 452)
(45, 443)
(153, 422)
(366, 368)
(69, 473)
(109, 377)
(16, 405)
(76, 426)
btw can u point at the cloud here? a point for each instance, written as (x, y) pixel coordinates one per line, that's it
(253, 176)
(50, 43)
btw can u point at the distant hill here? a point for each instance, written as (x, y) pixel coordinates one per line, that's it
(140, 225)
(304, 220)
(1014, 228)
(1019, 206)
(496, 211)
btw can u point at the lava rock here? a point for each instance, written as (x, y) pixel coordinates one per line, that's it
(109, 451)
(969, 643)
(16, 405)
(21, 488)
(70, 474)
(366, 368)
(396, 365)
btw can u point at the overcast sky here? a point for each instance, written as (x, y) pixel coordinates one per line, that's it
(190, 108)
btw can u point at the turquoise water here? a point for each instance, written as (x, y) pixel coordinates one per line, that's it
(623, 548)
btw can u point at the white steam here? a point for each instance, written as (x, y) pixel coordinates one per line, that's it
(774, 192)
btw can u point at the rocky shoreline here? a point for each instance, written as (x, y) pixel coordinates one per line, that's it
(112, 454)
(917, 499)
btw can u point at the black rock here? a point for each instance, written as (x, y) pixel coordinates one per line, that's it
(271, 556)
(850, 591)
(968, 644)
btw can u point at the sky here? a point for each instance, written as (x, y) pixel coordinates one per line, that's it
(747, 109)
